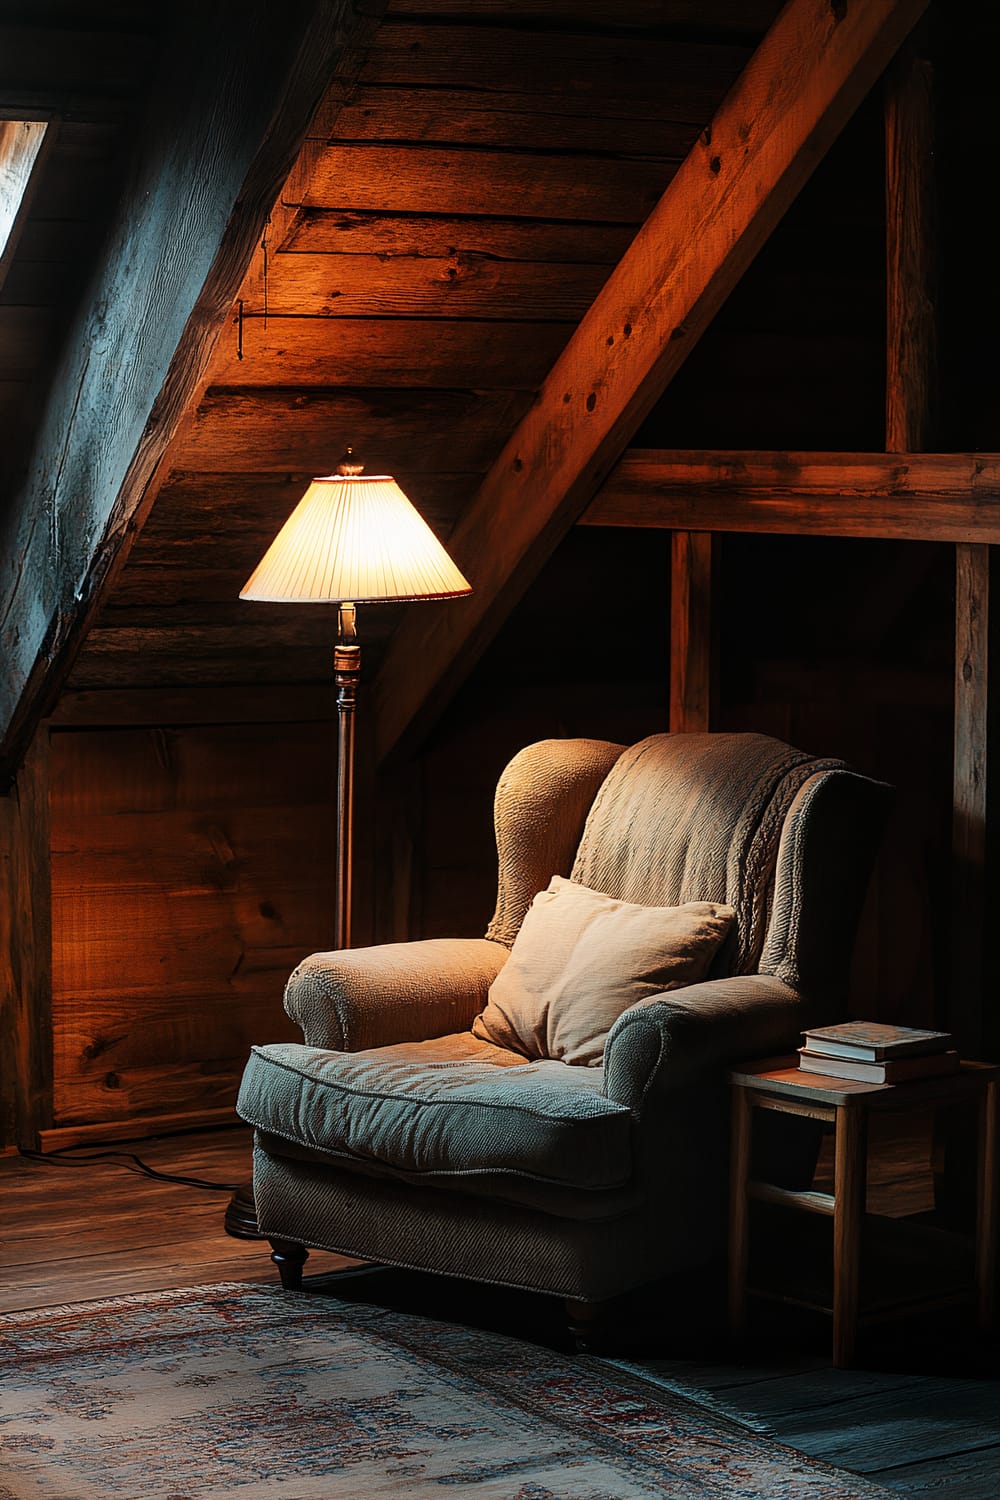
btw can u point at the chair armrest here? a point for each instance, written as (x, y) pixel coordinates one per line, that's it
(398, 992)
(680, 1037)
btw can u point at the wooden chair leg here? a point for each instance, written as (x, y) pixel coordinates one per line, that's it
(582, 1318)
(289, 1260)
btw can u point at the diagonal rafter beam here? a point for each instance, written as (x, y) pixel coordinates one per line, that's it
(811, 70)
(227, 115)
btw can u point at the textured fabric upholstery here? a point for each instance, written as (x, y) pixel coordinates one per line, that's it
(400, 992)
(692, 1034)
(541, 804)
(695, 817)
(582, 958)
(392, 1134)
(461, 1234)
(441, 1119)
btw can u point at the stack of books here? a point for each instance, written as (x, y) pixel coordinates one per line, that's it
(876, 1053)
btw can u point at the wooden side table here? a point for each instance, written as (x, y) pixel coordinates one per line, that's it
(778, 1084)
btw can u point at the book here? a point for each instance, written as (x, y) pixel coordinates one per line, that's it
(892, 1070)
(875, 1041)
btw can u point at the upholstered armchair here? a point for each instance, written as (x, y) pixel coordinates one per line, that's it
(397, 1134)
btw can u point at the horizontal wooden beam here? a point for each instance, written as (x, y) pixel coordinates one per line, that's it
(800, 87)
(932, 497)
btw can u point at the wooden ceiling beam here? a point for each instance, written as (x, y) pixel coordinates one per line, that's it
(230, 109)
(931, 497)
(813, 67)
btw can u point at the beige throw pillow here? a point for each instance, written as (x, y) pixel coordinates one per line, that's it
(581, 959)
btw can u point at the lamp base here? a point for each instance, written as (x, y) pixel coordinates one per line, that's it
(241, 1215)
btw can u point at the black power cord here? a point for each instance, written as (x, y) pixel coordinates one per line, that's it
(130, 1162)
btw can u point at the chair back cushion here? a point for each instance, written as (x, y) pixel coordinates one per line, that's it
(696, 817)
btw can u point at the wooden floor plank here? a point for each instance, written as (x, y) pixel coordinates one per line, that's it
(879, 1431)
(966, 1476)
(72, 1233)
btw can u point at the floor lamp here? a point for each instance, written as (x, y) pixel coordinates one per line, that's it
(353, 538)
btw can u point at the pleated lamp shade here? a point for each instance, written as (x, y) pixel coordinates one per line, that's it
(354, 537)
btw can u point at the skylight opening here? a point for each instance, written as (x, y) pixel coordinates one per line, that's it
(20, 143)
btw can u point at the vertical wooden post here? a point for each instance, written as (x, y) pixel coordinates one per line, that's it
(741, 1128)
(970, 805)
(26, 953)
(988, 1205)
(850, 1162)
(692, 556)
(911, 335)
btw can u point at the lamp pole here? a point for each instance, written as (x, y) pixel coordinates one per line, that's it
(346, 672)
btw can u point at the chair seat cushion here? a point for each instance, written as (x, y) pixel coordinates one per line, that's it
(452, 1117)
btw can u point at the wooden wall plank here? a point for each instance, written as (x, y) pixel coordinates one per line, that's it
(162, 708)
(427, 179)
(390, 429)
(348, 231)
(139, 1126)
(181, 656)
(512, 121)
(447, 286)
(158, 939)
(682, 82)
(691, 632)
(25, 953)
(70, 69)
(752, 16)
(415, 352)
(799, 88)
(916, 497)
(196, 1093)
(191, 871)
(157, 589)
(200, 511)
(161, 769)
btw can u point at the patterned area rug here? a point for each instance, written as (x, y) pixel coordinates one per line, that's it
(259, 1394)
